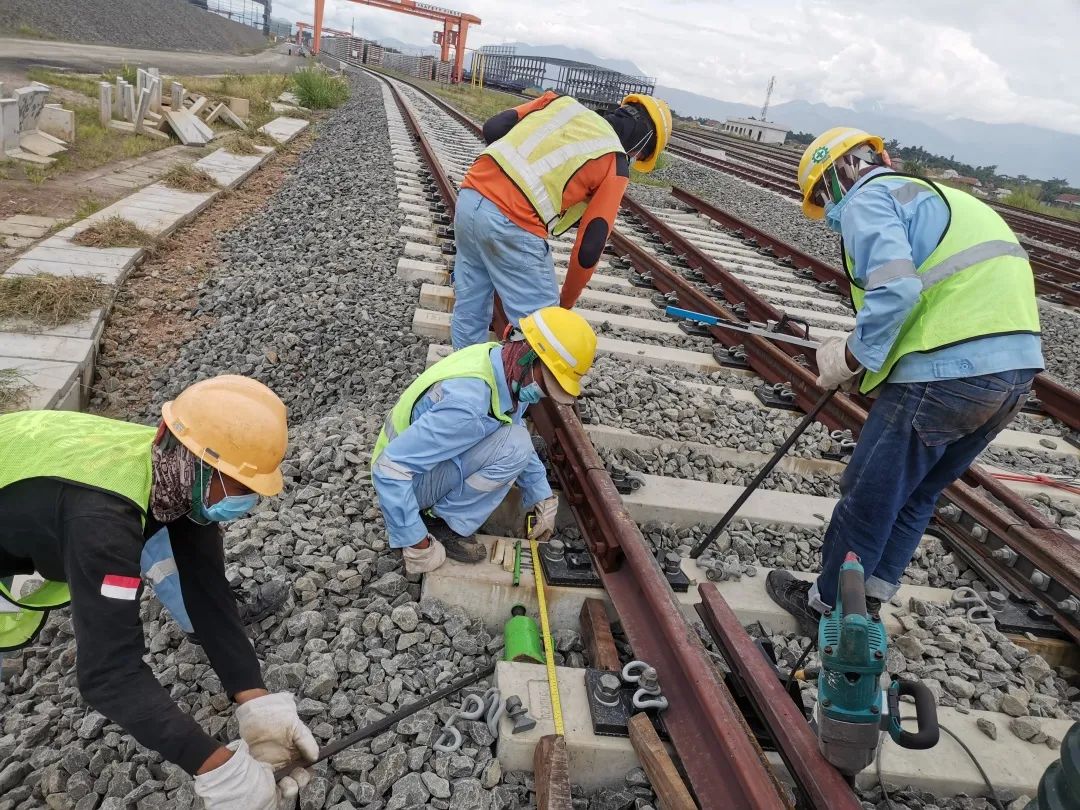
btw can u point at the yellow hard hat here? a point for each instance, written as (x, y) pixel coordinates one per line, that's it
(236, 425)
(660, 115)
(822, 153)
(564, 342)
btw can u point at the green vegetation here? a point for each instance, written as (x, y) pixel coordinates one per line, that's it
(87, 206)
(650, 178)
(188, 178)
(1024, 198)
(14, 390)
(29, 32)
(48, 300)
(479, 104)
(319, 90)
(258, 88)
(244, 143)
(114, 232)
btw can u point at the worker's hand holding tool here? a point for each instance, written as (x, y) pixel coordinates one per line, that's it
(274, 732)
(543, 524)
(833, 368)
(245, 783)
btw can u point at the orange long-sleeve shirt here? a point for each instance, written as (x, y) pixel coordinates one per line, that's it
(601, 182)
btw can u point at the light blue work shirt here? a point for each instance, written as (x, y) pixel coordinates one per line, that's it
(889, 228)
(445, 424)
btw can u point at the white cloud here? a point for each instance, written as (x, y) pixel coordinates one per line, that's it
(952, 58)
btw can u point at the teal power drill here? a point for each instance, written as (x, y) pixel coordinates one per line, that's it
(852, 709)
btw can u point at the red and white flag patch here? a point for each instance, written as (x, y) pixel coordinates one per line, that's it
(118, 587)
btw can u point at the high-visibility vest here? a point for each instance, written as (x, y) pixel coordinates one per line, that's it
(977, 283)
(92, 451)
(472, 361)
(545, 149)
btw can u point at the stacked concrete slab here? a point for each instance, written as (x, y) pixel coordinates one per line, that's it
(30, 129)
(59, 363)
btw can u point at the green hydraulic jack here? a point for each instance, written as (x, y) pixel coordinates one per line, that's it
(1059, 788)
(521, 638)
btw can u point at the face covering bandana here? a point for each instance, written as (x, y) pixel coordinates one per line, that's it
(229, 508)
(173, 477)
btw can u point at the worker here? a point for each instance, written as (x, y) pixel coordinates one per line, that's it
(454, 443)
(549, 164)
(79, 497)
(946, 338)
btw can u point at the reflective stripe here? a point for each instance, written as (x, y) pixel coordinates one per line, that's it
(908, 192)
(565, 154)
(160, 570)
(567, 357)
(564, 116)
(847, 133)
(392, 470)
(482, 484)
(897, 268)
(521, 165)
(436, 393)
(388, 426)
(971, 256)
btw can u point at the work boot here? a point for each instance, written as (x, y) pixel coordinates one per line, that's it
(424, 560)
(873, 606)
(459, 548)
(793, 595)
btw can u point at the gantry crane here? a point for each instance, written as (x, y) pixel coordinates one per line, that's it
(455, 26)
(301, 27)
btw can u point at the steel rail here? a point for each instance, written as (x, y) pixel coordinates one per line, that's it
(723, 762)
(1038, 545)
(1059, 401)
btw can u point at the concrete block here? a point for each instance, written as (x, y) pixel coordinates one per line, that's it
(142, 109)
(176, 96)
(594, 761)
(129, 102)
(59, 248)
(27, 346)
(32, 267)
(155, 90)
(58, 122)
(39, 144)
(53, 384)
(9, 124)
(284, 129)
(414, 270)
(118, 98)
(31, 101)
(105, 105)
(240, 106)
(29, 157)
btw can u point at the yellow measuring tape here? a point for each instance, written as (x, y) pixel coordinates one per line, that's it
(545, 628)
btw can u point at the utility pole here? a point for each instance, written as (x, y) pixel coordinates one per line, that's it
(768, 95)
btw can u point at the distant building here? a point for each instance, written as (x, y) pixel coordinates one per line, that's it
(754, 130)
(1067, 200)
(1002, 193)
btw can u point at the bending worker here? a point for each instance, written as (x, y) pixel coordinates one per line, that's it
(80, 495)
(947, 330)
(549, 164)
(454, 443)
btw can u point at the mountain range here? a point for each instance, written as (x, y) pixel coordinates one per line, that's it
(1016, 149)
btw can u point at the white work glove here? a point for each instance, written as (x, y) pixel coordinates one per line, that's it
(833, 370)
(271, 727)
(244, 783)
(544, 523)
(424, 560)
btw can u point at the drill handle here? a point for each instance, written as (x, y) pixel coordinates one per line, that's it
(853, 590)
(925, 716)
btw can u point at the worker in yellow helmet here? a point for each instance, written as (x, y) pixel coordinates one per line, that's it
(550, 164)
(946, 337)
(454, 443)
(80, 495)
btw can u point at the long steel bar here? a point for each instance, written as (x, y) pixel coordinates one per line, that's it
(823, 785)
(1039, 545)
(723, 762)
(1059, 401)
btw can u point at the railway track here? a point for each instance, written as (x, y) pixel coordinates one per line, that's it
(675, 253)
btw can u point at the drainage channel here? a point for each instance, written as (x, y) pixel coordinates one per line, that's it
(672, 498)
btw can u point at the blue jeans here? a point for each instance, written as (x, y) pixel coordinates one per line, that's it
(919, 438)
(159, 569)
(495, 255)
(464, 491)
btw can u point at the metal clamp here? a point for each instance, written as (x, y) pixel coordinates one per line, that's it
(648, 694)
(978, 612)
(473, 707)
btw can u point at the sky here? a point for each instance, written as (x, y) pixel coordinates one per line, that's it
(990, 60)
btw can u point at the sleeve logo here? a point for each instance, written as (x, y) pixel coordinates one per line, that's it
(118, 587)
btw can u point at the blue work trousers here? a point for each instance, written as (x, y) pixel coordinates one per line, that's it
(919, 438)
(464, 491)
(495, 255)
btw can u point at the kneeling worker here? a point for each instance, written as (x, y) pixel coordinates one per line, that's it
(79, 497)
(454, 443)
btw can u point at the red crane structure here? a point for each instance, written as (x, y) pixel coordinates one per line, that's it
(301, 27)
(454, 31)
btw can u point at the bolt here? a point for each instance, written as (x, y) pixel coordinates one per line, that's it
(1039, 580)
(607, 689)
(877, 655)
(672, 563)
(555, 550)
(950, 512)
(1070, 605)
(1006, 555)
(649, 680)
(874, 710)
(979, 533)
(828, 650)
(996, 599)
(826, 702)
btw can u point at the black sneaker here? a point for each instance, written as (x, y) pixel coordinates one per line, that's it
(873, 606)
(793, 595)
(459, 548)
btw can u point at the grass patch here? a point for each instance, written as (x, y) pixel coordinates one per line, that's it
(14, 390)
(49, 301)
(478, 104)
(1029, 202)
(188, 178)
(29, 32)
(114, 232)
(258, 88)
(87, 206)
(238, 144)
(318, 90)
(650, 178)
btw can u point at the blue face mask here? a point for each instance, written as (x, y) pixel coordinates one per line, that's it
(531, 393)
(229, 508)
(832, 217)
